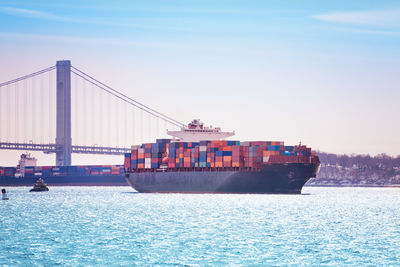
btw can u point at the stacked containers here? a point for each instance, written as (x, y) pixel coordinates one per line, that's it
(29, 171)
(215, 154)
(141, 158)
(204, 154)
(127, 160)
(9, 171)
(147, 155)
(172, 152)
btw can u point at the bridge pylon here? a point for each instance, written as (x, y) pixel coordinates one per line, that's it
(63, 131)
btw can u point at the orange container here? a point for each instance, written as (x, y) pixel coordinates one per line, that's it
(227, 164)
(218, 164)
(227, 148)
(227, 158)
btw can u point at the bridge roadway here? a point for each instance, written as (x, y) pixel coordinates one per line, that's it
(52, 148)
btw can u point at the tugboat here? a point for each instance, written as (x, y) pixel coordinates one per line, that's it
(40, 186)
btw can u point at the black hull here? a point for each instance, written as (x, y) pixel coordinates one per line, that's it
(79, 180)
(274, 178)
(39, 190)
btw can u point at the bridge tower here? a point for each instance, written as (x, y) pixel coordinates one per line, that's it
(63, 131)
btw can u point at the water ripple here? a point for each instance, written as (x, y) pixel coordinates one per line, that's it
(80, 226)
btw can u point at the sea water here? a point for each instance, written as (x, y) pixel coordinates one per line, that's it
(113, 226)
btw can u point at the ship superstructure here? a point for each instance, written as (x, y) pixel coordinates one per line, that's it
(195, 131)
(26, 160)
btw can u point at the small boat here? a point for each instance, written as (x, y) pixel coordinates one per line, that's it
(40, 186)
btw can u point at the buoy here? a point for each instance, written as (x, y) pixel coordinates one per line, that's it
(4, 194)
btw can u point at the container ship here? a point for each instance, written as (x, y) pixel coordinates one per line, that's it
(198, 160)
(26, 174)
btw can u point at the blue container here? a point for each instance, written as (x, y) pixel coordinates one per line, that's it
(219, 153)
(289, 148)
(227, 153)
(203, 158)
(163, 141)
(81, 171)
(141, 161)
(273, 148)
(233, 143)
(204, 143)
(46, 173)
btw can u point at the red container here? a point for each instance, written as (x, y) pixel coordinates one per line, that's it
(127, 163)
(171, 165)
(227, 164)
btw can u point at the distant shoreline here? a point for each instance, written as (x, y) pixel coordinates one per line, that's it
(352, 185)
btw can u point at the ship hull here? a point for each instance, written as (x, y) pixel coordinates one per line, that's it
(67, 180)
(273, 178)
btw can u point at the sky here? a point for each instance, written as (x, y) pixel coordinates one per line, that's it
(325, 73)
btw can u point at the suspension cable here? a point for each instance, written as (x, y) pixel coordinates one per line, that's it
(101, 106)
(16, 89)
(24, 111)
(33, 120)
(8, 113)
(126, 100)
(51, 110)
(1, 118)
(130, 99)
(42, 92)
(28, 76)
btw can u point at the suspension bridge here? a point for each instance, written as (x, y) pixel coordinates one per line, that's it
(63, 110)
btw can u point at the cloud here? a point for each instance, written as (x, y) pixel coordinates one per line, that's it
(366, 31)
(379, 18)
(77, 39)
(30, 13)
(45, 38)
